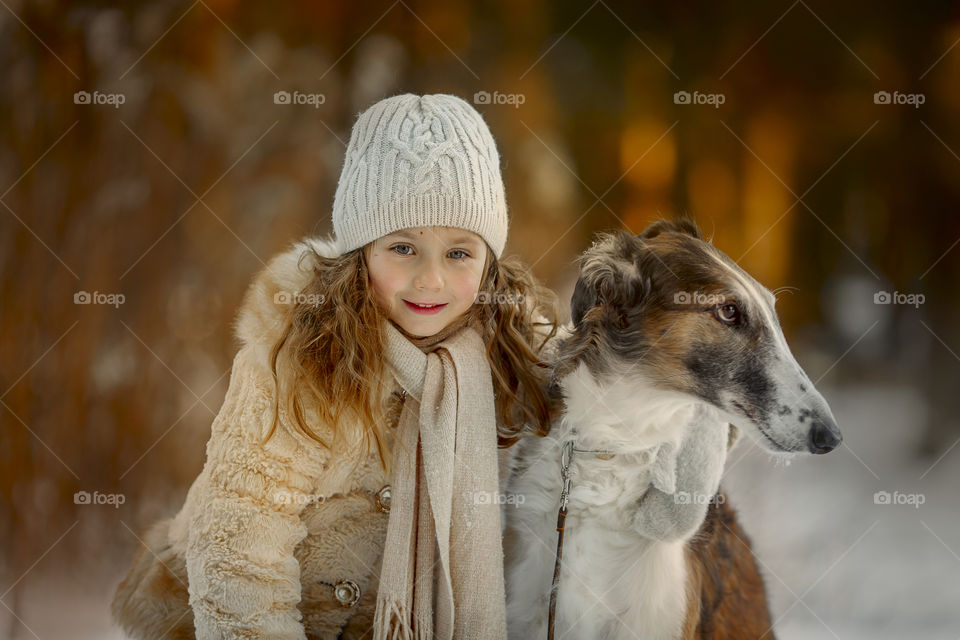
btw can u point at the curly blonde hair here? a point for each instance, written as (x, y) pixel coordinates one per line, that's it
(332, 353)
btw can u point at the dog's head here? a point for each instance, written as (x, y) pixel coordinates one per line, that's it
(671, 308)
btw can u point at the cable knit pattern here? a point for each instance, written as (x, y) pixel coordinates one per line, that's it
(416, 161)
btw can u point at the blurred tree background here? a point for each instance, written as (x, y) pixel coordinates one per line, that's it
(182, 174)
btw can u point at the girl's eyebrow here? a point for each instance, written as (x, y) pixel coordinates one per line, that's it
(463, 240)
(460, 239)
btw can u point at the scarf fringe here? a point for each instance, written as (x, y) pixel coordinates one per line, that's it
(424, 627)
(391, 621)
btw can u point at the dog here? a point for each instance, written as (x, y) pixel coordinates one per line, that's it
(670, 344)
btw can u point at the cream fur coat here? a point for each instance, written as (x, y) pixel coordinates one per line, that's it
(239, 562)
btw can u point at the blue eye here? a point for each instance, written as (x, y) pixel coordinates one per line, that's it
(460, 251)
(398, 246)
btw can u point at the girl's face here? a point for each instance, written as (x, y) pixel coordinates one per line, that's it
(424, 278)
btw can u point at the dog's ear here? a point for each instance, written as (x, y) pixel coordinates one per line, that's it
(610, 277)
(584, 298)
(683, 224)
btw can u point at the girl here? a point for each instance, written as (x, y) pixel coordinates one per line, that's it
(352, 472)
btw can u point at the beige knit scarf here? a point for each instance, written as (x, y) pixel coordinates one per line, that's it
(442, 571)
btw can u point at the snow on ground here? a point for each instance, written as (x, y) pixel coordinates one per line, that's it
(837, 563)
(860, 569)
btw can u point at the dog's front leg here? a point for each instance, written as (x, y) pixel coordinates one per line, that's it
(699, 464)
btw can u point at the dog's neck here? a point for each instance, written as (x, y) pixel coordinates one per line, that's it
(622, 412)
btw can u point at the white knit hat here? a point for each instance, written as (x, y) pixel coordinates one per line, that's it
(420, 161)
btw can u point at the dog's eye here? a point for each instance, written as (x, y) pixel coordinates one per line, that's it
(728, 314)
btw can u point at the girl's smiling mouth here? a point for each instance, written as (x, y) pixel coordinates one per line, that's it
(424, 308)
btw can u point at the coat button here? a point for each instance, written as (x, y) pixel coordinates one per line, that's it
(346, 592)
(383, 499)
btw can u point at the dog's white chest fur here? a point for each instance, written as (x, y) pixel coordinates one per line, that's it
(614, 582)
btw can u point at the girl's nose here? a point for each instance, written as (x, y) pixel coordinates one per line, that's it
(428, 277)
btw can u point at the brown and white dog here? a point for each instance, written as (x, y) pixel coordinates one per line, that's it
(670, 342)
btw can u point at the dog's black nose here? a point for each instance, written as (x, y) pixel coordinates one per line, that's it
(824, 436)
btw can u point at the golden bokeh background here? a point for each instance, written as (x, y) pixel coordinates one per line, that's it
(175, 198)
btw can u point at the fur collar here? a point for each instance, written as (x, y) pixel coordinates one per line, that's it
(260, 320)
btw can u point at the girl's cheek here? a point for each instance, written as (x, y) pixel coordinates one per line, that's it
(467, 287)
(393, 283)
(385, 284)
